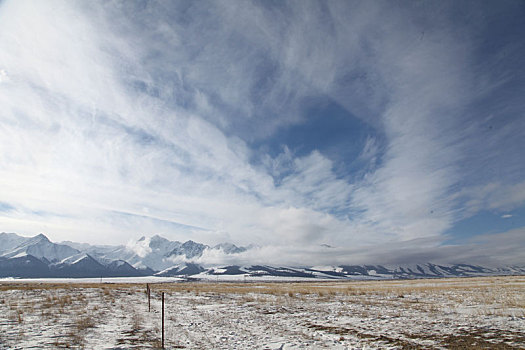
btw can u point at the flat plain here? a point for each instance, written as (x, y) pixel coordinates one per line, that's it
(458, 313)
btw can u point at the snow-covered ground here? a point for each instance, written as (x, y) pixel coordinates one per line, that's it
(449, 313)
(112, 280)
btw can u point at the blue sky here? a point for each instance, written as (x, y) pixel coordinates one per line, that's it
(391, 131)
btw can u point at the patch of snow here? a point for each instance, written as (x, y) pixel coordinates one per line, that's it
(328, 268)
(137, 280)
(20, 255)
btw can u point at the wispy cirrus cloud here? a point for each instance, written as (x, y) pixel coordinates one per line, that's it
(127, 118)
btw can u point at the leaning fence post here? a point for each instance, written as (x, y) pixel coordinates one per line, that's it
(163, 320)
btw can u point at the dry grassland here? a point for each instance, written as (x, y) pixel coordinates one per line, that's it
(466, 313)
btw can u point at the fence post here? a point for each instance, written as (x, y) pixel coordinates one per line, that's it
(163, 320)
(148, 290)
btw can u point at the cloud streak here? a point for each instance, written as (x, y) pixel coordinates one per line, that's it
(123, 118)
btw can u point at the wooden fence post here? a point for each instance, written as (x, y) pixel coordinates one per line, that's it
(163, 320)
(148, 290)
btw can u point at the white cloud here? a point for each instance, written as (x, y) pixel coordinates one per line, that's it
(505, 248)
(492, 196)
(4, 77)
(108, 109)
(93, 158)
(141, 248)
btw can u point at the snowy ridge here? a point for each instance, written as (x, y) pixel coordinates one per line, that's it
(37, 256)
(352, 272)
(181, 270)
(157, 253)
(40, 247)
(9, 241)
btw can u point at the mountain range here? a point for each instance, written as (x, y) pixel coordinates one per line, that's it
(38, 257)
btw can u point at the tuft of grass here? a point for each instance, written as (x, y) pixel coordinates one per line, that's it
(248, 299)
(136, 322)
(85, 322)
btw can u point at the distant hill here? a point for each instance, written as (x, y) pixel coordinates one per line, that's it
(38, 257)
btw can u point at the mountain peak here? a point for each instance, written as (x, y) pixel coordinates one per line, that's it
(40, 238)
(189, 248)
(229, 248)
(157, 238)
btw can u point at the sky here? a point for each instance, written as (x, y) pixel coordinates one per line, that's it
(320, 132)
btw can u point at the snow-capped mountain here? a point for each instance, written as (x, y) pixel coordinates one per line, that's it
(23, 266)
(229, 248)
(39, 257)
(145, 256)
(189, 249)
(9, 241)
(40, 247)
(187, 269)
(359, 272)
(157, 253)
(79, 265)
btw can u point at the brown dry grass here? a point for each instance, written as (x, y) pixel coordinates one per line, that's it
(397, 287)
(85, 322)
(483, 286)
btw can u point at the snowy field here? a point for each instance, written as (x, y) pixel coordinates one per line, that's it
(466, 313)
